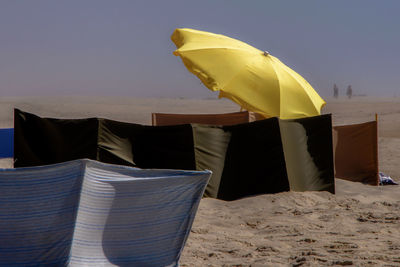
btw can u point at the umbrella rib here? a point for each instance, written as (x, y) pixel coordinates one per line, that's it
(296, 77)
(220, 88)
(279, 84)
(252, 107)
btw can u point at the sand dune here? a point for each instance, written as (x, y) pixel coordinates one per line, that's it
(358, 226)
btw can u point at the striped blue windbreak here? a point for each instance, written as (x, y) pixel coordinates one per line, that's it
(87, 213)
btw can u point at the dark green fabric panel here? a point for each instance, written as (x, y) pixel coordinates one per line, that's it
(162, 147)
(307, 144)
(114, 142)
(210, 145)
(254, 162)
(42, 141)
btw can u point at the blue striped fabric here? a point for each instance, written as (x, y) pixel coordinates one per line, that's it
(7, 143)
(87, 213)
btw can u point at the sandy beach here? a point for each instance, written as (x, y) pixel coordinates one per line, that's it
(358, 226)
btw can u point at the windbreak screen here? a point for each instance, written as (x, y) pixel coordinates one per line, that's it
(114, 142)
(254, 161)
(87, 213)
(261, 157)
(162, 147)
(307, 143)
(161, 119)
(42, 141)
(356, 152)
(6, 143)
(210, 146)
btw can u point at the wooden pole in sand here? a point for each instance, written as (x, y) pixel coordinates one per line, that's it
(376, 154)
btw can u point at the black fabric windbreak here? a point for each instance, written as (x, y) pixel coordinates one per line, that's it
(247, 159)
(307, 143)
(161, 147)
(42, 141)
(254, 162)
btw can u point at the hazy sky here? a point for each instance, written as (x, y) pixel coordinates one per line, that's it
(121, 47)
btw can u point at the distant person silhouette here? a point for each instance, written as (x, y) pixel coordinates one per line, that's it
(349, 92)
(335, 91)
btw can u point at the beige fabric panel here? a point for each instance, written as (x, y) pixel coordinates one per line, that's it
(210, 146)
(163, 119)
(256, 116)
(307, 146)
(356, 152)
(302, 172)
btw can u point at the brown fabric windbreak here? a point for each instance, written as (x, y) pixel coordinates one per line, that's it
(356, 152)
(253, 116)
(162, 119)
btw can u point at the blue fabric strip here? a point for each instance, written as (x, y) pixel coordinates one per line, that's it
(6, 143)
(89, 213)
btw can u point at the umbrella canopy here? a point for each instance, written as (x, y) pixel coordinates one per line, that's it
(248, 76)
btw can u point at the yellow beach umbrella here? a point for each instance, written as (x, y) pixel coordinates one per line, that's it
(250, 77)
